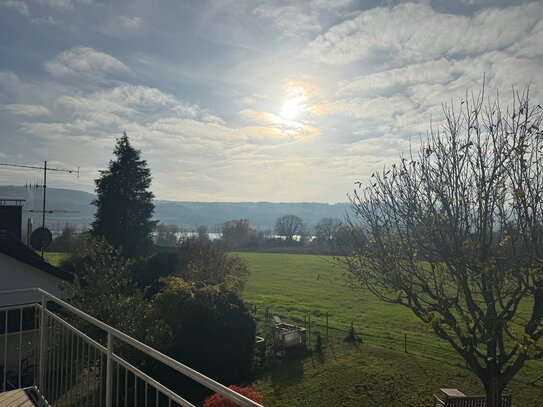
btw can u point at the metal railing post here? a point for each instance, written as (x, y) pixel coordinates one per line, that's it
(41, 385)
(109, 370)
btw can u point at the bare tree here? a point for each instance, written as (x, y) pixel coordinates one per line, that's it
(289, 226)
(333, 234)
(327, 229)
(455, 233)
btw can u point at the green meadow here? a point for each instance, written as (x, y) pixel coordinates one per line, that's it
(53, 257)
(377, 372)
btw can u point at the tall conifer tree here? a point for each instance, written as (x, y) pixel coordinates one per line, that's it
(124, 202)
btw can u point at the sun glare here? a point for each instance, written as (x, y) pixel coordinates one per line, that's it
(290, 109)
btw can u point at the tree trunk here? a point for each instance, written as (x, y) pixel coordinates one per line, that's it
(493, 392)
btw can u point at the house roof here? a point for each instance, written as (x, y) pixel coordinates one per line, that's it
(13, 247)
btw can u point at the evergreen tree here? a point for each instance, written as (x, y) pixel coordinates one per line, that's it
(124, 203)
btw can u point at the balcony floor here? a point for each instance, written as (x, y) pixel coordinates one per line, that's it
(15, 398)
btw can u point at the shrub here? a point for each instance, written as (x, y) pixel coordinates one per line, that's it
(201, 262)
(218, 400)
(213, 332)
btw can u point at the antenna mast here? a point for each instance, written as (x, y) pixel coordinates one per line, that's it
(45, 169)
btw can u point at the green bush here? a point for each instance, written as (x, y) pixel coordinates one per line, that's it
(213, 332)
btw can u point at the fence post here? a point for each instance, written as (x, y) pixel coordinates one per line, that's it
(309, 329)
(41, 381)
(109, 370)
(327, 327)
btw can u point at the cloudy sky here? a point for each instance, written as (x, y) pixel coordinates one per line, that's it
(245, 100)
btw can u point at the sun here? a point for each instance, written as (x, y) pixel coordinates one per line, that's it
(291, 109)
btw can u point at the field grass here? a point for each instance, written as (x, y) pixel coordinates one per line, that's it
(54, 258)
(377, 372)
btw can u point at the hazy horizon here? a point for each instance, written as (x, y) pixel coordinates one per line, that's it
(195, 201)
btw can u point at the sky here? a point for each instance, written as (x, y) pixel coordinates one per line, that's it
(239, 100)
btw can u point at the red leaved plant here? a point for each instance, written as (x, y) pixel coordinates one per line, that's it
(217, 400)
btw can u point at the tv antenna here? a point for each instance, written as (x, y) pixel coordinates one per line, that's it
(45, 169)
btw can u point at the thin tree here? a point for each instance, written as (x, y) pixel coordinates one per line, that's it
(327, 229)
(455, 234)
(289, 226)
(236, 233)
(124, 202)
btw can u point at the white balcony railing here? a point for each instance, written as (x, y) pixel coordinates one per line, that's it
(62, 366)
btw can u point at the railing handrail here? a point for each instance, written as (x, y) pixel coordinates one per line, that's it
(168, 361)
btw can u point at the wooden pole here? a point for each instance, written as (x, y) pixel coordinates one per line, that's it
(405, 343)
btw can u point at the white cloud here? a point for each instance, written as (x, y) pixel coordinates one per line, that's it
(17, 5)
(130, 101)
(290, 21)
(247, 100)
(494, 3)
(437, 71)
(52, 132)
(59, 4)
(453, 76)
(327, 4)
(375, 108)
(64, 5)
(49, 20)
(529, 46)
(123, 27)
(25, 110)
(130, 24)
(411, 33)
(84, 61)
(191, 129)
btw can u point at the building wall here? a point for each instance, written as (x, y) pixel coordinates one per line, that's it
(10, 219)
(15, 274)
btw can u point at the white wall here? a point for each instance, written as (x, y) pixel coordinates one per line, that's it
(15, 274)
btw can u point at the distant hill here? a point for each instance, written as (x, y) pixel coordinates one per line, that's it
(188, 215)
(80, 212)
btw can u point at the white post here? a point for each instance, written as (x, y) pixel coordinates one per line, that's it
(41, 384)
(109, 370)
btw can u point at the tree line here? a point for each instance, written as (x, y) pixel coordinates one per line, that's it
(330, 235)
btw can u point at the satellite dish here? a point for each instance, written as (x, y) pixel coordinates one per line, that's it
(41, 238)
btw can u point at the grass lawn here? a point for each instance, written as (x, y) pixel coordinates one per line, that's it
(376, 373)
(53, 258)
